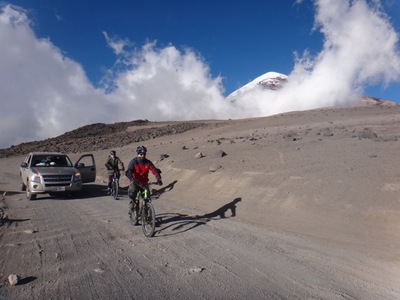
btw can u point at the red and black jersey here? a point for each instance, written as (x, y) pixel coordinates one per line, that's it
(138, 170)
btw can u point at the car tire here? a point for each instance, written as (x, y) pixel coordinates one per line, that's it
(29, 194)
(23, 186)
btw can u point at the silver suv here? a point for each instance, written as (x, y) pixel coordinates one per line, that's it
(52, 173)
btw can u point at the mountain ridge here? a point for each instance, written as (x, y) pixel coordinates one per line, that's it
(100, 136)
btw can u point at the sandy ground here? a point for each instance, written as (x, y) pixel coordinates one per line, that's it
(304, 205)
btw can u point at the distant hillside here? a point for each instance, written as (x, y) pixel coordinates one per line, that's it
(100, 136)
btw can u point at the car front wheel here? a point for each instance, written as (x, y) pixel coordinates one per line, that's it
(29, 194)
(23, 186)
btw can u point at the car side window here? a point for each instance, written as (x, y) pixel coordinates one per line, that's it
(28, 159)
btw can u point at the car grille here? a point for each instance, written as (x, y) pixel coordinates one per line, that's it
(57, 180)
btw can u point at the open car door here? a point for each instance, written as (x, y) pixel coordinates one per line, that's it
(87, 167)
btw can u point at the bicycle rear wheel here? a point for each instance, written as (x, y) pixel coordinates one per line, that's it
(133, 215)
(114, 189)
(148, 219)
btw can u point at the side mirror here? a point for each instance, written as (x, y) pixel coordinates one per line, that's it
(80, 165)
(24, 165)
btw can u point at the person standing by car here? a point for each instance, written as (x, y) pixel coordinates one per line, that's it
(138, 174)
(113, 163)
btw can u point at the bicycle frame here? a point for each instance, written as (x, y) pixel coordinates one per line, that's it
(115, 185)
(141, 197)
(143, 193)
(115, 176)
(145, 212)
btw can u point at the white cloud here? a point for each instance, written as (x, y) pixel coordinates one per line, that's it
(168, 84)
(360, 48)
(45, 94)
(116, 44)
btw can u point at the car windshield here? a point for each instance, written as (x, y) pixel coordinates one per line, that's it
(51, 161)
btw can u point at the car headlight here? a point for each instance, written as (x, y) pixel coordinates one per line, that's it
(77, 176)
(35, 178)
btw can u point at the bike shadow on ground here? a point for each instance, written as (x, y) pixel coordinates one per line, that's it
(9, 221)
(175, 223)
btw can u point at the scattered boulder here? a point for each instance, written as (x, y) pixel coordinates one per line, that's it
(13, 279)
(220, 153)
(215, 167)
(99, 270)
(199, 155)
(163, 156)
(196, 269)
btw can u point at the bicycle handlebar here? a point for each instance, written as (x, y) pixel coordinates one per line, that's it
(142, 186)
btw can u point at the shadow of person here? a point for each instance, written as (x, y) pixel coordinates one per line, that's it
(179, 223)
(157, 193)
(221, 212)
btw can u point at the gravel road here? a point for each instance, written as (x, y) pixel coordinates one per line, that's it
(64, 248)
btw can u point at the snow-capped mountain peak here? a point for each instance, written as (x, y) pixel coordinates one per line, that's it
(276, 81)
(267, 81)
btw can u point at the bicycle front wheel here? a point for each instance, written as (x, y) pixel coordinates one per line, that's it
(114, 188)
(148, 219)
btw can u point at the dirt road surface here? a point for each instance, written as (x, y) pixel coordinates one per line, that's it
(86, 249)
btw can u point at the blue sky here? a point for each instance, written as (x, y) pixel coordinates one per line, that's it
(239, 40)
(107, 54)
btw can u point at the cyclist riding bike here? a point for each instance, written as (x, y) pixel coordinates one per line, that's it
(138, 174)
(113, 164)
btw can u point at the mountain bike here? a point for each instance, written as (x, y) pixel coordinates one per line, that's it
(144, 210)
(115, 185)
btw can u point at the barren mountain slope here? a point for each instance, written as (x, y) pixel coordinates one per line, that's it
(297, 205)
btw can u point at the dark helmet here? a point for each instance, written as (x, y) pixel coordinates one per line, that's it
(112, 152)
(141, 149)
